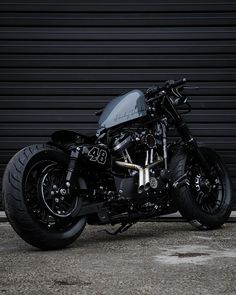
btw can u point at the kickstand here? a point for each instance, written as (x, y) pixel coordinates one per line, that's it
(124, 227)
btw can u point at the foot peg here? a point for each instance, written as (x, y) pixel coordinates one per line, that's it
(124, 227)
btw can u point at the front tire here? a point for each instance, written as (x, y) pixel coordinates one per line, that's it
(25, 210)
(204, 206)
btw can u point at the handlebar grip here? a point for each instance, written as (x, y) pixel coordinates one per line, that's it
(180, 82)
(155, 98)
(173, 84)
(152, 91)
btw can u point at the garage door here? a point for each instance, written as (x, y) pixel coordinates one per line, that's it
(62, 60)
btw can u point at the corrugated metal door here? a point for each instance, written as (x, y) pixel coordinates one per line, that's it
(61, 60)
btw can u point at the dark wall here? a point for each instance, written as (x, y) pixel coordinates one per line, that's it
(61, 60)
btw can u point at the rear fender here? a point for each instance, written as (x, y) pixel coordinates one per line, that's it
(91, 152)
(68, 137)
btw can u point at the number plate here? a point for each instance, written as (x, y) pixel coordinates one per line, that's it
(98, 155)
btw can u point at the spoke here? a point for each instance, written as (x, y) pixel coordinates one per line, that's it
(49, 198)
(43, 215)
(218, 203)
(31, 190)
(53, 205)
(215, 195)
(203, 206)
(208, 208)
(65, 202)
(64, 208)
(200, 197)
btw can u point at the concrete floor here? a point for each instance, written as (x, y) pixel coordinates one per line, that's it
(150, 258)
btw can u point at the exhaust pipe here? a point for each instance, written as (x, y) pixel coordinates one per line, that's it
(140, 173)
(146, 173)
(143, 173)
(146, 178)
(141, 181)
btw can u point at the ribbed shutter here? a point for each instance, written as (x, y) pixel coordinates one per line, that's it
(62, 60)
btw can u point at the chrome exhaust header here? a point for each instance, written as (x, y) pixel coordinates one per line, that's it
(146, 173)
(140, 173)
(143, 173)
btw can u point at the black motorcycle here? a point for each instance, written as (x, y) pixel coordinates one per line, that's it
(125, 173)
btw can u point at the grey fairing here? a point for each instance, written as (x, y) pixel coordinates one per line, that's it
(123, 108)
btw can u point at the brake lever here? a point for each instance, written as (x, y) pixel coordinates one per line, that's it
(176, 92)
(191, 87)
(181, 100)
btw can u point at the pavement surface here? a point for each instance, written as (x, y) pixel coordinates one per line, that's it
(150, 258)
(169, 217)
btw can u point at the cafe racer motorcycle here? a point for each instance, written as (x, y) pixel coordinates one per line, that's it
(129, 171)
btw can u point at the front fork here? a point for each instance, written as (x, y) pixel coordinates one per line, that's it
(187, 137)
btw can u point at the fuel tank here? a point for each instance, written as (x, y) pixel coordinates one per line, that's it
(123, 108)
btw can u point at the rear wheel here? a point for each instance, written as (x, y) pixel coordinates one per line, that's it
(37, 204)
(204, 204)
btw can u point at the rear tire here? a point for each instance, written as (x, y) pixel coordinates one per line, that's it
(204, 209)
(33, 223)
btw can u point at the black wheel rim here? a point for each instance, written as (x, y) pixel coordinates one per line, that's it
(55, 196)
(34, 201)
(207, 196)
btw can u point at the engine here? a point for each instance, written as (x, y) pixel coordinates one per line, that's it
(138, 160)
(139, 139)
(123, 142)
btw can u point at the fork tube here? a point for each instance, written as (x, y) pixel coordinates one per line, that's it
(186, 135)
(163, 124)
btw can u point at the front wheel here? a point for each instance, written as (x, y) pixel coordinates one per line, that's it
(37, 205)
(204, 204)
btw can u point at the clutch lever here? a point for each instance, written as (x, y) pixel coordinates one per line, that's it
(99, 112)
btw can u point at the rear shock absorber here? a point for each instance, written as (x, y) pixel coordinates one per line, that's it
(75, 152)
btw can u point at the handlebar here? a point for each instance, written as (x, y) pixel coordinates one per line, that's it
(169, 85)
(176, 84)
